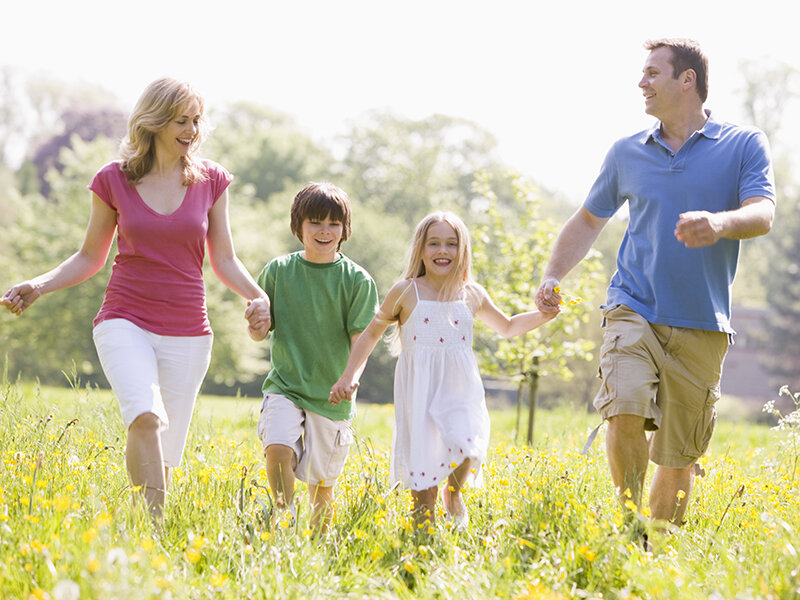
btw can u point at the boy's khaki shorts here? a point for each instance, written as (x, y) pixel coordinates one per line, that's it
(668, 375)
(320, 444)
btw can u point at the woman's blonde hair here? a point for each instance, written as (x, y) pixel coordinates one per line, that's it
(161, 102)
(461, 274)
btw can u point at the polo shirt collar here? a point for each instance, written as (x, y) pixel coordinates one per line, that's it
(712, 129)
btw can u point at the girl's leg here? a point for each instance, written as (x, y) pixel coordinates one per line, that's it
(320, 498)
(425, 505)
(451, 496)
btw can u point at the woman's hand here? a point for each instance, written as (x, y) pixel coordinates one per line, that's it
(258, 318)
(20, 297)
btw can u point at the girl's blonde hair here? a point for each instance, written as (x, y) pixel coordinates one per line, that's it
(161, 102)
(459, 281)
(461, 274)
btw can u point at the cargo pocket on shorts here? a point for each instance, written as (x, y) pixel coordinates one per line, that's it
(341, 446)
(608, 373)
(699, 435)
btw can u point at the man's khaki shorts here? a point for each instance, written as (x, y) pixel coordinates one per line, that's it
(668, 375)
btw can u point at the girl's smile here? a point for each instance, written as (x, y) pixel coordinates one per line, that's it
(441, 249)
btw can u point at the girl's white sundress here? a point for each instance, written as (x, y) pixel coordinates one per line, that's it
(440, 410)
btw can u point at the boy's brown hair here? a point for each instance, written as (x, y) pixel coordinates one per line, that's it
(320, 201)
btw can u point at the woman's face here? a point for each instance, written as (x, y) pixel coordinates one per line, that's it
(176, 139)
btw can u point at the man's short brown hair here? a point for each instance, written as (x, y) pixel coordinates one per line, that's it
(686, 54)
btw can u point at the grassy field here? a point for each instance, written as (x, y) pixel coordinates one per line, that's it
(546, 525)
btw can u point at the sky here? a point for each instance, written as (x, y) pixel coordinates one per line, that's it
(555, 82)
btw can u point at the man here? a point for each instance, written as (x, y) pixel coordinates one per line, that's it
(695, 187)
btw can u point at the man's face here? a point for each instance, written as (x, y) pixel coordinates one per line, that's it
(661, 90)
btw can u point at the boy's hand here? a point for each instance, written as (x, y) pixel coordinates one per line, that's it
(258, 319)
(342, 390)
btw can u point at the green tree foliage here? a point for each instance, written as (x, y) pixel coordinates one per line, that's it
(408, 168)
(57, 330)
(266, 150)
(509, 257)
(769, 94)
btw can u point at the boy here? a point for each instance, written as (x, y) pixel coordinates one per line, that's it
(320, 302)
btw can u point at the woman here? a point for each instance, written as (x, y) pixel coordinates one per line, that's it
(152, 332)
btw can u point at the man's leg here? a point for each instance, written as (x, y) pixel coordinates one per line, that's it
(669, 493)
(628, 456)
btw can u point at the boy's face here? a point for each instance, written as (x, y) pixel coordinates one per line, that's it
(321, 239)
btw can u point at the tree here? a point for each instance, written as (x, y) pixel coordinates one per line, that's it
(770, 93)
(405, 167)
(85, 124)
(509, 257)
(266, 150)
(56, 332)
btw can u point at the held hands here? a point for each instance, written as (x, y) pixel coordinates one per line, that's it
(258, 319)
(548, 300)
(343, 390)
(20, 297)
(698, 228)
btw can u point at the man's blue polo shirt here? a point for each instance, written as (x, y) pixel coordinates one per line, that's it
(715, 170)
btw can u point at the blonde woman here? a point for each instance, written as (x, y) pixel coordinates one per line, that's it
(152, 332)
(441, 423)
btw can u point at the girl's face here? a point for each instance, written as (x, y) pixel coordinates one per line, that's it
(321, 239)
(176, 138)
(440, 253)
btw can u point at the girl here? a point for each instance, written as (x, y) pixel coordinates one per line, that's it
(152, 333)
(441, 422)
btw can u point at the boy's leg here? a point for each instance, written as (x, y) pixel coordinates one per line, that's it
(321, 501)
(281, 462)
(327, 443)
(280, 428)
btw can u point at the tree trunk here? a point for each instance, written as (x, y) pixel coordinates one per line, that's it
(518, 423)
(533, 387)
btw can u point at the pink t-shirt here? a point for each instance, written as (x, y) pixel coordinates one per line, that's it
(157, 278)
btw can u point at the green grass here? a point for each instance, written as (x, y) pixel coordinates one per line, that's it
(546, 525)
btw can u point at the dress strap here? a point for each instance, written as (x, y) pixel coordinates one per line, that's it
(416, 290)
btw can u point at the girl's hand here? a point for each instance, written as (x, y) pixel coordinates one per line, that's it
(342, 390)
(548, 299)
(258, 318)
(20, 297)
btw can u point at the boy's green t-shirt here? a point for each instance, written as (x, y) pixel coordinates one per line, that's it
(315, 309)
